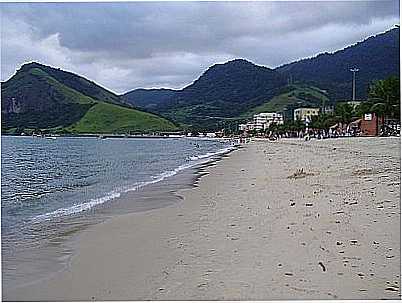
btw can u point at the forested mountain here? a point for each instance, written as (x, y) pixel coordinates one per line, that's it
(223, 91)
(148, 99)
(76, 82)
(42, 97)
(228, 89)
(239, 88)
(376, 58)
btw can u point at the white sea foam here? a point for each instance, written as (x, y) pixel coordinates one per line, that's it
(75, 208)
(78, 208)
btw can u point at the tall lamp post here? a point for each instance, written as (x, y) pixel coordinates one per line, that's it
(354, 71)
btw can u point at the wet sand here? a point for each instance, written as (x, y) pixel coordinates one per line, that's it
(256, 227)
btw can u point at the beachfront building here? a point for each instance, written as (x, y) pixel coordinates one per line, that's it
(262, 121)
(305, 113)
(246, 127)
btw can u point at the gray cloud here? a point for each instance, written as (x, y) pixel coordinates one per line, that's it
(128, 45)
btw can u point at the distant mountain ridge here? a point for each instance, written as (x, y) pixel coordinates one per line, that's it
(222, 91)
(231, 89)
(148, 99)
(231, 82)
(42, 97)
(377, 57)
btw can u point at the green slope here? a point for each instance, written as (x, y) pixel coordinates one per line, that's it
(76, 82)
(34, 99)
(68, 94)
(43, 102)
(294, 94)
(110, 118)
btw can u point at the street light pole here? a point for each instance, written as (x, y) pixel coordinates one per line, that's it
(354, 71)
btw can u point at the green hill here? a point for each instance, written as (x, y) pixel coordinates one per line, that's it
(222, 92)
(76, 82)
(110, 118)
(292, 95)
(34, 99)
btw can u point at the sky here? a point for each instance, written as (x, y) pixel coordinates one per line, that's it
(128, 45)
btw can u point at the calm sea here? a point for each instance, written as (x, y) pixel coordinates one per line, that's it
(45, 183)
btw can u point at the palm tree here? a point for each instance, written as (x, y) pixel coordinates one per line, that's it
(384, 98)
(344, 113)
(323, 121)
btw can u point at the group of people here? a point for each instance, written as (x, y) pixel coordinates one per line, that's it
(312, 133)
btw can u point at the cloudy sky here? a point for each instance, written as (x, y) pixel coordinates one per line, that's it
(124, 46)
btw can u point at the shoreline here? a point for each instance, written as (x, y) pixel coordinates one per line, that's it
(54, 257)
(120, 136)
(216, 243)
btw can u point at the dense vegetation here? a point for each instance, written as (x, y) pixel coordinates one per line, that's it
(223, 91)
(376, 57)
(34, 99)
(148, 99)
(384, 98)
(75, 82)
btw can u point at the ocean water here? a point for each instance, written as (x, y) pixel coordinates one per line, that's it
(45, 183)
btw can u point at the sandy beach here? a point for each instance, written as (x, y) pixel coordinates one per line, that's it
(280, 220)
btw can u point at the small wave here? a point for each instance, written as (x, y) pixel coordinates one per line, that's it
(78, 208)
(201, 156)
(212, 154)
(75, 208)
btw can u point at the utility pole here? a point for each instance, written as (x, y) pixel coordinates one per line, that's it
(354, 71)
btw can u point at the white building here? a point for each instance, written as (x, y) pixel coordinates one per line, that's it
(305, 113)
(262, 121)
(247, 127)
